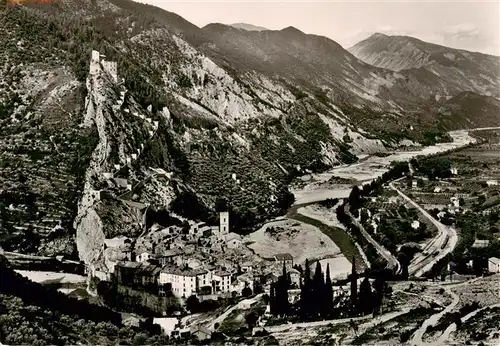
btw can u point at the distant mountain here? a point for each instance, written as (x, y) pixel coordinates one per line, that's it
(315, 64)
(456, 70)
(248, 27)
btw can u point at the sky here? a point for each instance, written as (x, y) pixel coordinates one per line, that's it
(470, 25)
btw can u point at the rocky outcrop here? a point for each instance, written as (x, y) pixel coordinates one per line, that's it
(88, 225)
(124, 129)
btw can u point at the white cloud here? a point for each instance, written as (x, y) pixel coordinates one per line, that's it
(461, 30)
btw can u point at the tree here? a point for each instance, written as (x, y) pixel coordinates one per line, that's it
(317, 290)
(281, 290)
(354, 286)
(355, 197)
(272, 299)
(328, 294)
(365, 297)
(246, 292)
(305, 292)
(379, 288)
(364, 216)
(193, 304)
(251, 319)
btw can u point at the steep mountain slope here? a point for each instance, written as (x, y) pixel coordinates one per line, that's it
(187, 120)
(467, 106)
(457, 70)
(287, 54)
(320, 67)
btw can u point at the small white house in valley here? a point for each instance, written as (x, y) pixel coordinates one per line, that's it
(494, 265)
(492, 182)
(480, 243)
(454, 170)
(415, 224)
(294, 276)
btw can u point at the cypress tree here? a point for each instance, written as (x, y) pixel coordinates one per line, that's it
(307, 273)
(306, 293)
(318, 280)
(272, 299)
(379, 287)
(328, 294)
(354, 286)
(366, 297)
(317, 290)
(285, 277)
(282, 305)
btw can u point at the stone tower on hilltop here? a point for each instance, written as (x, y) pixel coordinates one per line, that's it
(224, 223)
(110, 67)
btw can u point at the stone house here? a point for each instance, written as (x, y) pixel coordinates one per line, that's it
(284, 258)
(233, 240)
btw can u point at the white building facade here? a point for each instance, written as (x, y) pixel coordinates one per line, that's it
(494, 265)
(221, 282)
(143, 257)
(185, 283)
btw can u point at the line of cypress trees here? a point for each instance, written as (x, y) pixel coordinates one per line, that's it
(279, 304)
(316, 295)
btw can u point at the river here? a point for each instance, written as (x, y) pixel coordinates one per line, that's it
(371, 168)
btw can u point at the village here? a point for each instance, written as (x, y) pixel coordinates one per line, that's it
(202, 260)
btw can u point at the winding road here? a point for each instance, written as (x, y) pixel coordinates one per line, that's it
(285, 327)
(453, 327)
(393, 263)
(433, 320)
(443, 243)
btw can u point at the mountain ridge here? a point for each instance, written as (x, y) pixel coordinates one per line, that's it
(459, 69)
(378, 35)
(248, 27)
